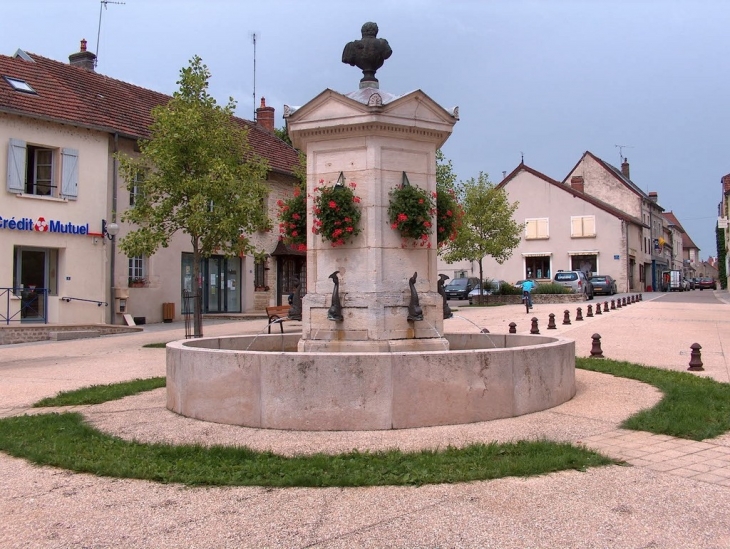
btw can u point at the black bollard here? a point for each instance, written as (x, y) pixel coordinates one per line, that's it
(618, 303)
(624, 301)
(566, 317)
(605, 306)
(598, 308)
(596, 351)
(579, 314)
(534, 329)
(590, 311)
(695, 360)
(551, 322)
(512, 328)
(613, 304)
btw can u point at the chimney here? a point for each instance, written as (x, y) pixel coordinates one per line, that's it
(625, 168)
(653, 196)
(265, 116)
(84, 59)
(726, 184)
(576, 183)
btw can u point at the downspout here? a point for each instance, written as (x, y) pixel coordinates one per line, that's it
(628, 259)
(112, 261)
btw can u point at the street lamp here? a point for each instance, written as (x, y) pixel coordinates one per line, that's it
(110, 230)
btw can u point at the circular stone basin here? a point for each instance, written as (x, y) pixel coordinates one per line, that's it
(261, 381)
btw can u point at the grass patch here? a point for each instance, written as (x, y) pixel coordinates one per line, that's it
(64, 440)
(96, 394)
(156, 345)
(693, 407)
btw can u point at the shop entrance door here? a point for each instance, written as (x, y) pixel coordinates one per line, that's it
(31, 275)
(222, 285)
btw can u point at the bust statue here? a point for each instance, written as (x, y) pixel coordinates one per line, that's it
(368, 54)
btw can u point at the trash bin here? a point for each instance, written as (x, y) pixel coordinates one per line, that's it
(168, 312)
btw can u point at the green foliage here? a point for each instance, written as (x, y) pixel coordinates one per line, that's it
(336, 213)
(487, 227)
(693, 407)
(293, 220)
(200, 175)
(283, 134)
(550, 288)
(96, 394)
(721, 255)
(410, 212)
(448, 210)
(508, 289)
(64, 440)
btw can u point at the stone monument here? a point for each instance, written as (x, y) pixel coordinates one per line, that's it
(371, 137)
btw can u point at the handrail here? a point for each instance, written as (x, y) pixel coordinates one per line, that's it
(98, 303)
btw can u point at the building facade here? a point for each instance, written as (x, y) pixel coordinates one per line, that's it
(64, 125)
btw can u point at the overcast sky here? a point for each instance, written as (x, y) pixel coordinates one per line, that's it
(549, 79)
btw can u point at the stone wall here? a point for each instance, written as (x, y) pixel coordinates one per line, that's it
(536, 299)
(41, 332)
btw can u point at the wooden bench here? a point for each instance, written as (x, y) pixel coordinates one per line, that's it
(278, 312)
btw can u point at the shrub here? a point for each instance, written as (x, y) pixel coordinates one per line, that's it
(293, 220)
(509, 289)
(550, 288)
(336, 213)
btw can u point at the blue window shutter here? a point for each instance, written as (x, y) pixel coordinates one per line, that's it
(69, 173)
(16, 166)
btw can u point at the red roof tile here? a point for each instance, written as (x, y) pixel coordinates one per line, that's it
(76, 96)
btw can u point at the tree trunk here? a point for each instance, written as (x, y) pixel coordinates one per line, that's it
(197, 291)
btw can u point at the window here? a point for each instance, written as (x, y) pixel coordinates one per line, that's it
(42, 171)
(134, 189)
(259, 276)
(20, 85)
(537, 266)
(137, 271)
(536, 228)
(583, 226)
(588, 263)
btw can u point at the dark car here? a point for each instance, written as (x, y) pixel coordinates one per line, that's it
(707, 283)
(459, 288)
(603, 284)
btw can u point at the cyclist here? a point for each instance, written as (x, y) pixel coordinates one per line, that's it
(527, 287)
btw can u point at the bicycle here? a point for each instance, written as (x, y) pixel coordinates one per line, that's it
(526, 300)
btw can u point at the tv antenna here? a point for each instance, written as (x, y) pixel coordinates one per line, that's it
(621, 151)
(254, 36)
(102, 4)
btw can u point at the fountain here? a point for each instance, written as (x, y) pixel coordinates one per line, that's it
(373, 353)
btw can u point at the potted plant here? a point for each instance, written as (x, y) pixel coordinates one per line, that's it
(410, 212)
(336, 213)
(137, 282)
(293, 220)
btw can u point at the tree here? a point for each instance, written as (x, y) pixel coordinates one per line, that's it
(200, 176)
(487, 227)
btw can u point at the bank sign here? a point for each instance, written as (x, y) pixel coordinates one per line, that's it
(40, 225)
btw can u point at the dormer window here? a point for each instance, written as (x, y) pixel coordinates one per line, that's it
(19, 85)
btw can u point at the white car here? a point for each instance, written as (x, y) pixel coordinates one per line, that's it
(493, 287)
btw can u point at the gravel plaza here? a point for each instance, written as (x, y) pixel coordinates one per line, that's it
(671, 492)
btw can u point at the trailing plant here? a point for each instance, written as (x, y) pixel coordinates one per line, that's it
(336, 213)
(411, 211)
(449, 215)
(293, 220)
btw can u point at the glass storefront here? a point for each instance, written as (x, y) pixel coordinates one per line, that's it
(221, 282)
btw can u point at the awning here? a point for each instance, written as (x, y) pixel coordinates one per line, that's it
(536, 254)
(584, 252)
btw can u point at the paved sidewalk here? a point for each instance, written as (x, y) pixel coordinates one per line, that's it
(675, 493)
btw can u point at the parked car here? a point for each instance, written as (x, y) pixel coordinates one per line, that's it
(492, 287)
(707, 283)
(459, 288)
(692, 283)
(603, 284)
(685, 285)
(576, 281)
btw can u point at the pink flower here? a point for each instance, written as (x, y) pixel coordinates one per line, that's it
(402, 217)
(332, 204)
(394, 226)
(420, 200)
(427, 224)
(356, 199)
(349, 229)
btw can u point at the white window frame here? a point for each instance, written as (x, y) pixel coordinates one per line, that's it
(134, 190)
(23, 160)
(537, 228)
(582, 226)
(137, 266)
